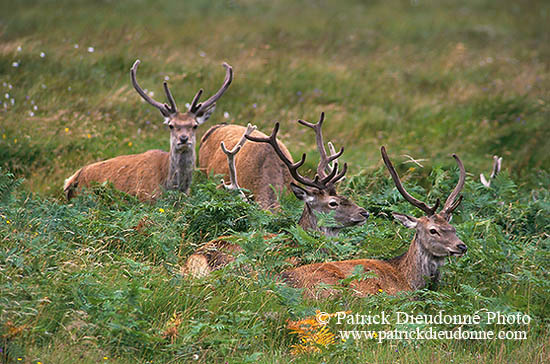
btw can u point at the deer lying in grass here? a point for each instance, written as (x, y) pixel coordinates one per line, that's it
(145, 175)
(434, 240)
(319, 196)
(260, 170)
(497, 163)
(219, 252)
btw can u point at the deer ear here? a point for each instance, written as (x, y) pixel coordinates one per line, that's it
(406, 220)
(301, 193)
(205, 115)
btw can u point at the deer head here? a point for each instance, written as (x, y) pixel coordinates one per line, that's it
(434, 233)
(319, 194)
(183, 126)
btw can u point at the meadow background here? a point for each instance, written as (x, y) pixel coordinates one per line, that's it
(98, 280)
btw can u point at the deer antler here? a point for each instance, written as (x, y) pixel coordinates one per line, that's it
(318, 182)
(197, 108)
(452, 202)
(332, 151)
(325, 167)
(165, 109)
(421, 205)
(497, 162)
(234, 184)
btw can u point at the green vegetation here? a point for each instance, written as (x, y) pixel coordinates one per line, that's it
(99, 280)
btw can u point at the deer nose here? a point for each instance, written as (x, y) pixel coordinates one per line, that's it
(184, 138)
(462, 247)
(364, 213)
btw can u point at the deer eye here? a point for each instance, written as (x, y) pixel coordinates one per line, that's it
(433, 232)
(171, 126)
(333, 204)
(195, 126)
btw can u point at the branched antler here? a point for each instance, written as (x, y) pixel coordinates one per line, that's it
(166, 110)
(234, 184)
(450, 204)
(195, 108)
(322, 182)
(497, 163)
(200, 108)
(421, 205)
(325, 166)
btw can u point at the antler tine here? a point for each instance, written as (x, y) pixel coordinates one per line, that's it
(292, 167)
(497, 163)
(194, 106)
(421, 205)
(166, 112)
(234, 184)
(249, 129)
(173, 108)
(323, 160)
(340, 175)
(333, 155)
(450, 203)
(210, 102)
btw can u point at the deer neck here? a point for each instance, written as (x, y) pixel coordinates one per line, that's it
(180, 170)
(418, 265)
(308, 221)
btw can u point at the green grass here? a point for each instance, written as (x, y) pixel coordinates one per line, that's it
(100, 277)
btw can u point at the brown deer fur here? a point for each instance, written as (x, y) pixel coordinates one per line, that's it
(434, 240)
(147, 174)
(319, 196)
(260, 170)
(141, 175)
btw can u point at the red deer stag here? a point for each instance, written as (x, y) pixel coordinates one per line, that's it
(434, 240)
(319, 196)
(145, 175)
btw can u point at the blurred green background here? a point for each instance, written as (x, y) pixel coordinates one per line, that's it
(424, 78)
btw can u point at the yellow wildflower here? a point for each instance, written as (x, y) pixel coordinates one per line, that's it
(66, 130)
(161, 209)
(129, 144)
(4, 136)
(89, 135)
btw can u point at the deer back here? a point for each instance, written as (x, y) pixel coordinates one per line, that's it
(386, 277)
(141, 175)
(258, 166)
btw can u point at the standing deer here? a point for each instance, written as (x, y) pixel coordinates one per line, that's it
(434, 240)
(145, 175)
(319, 196)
